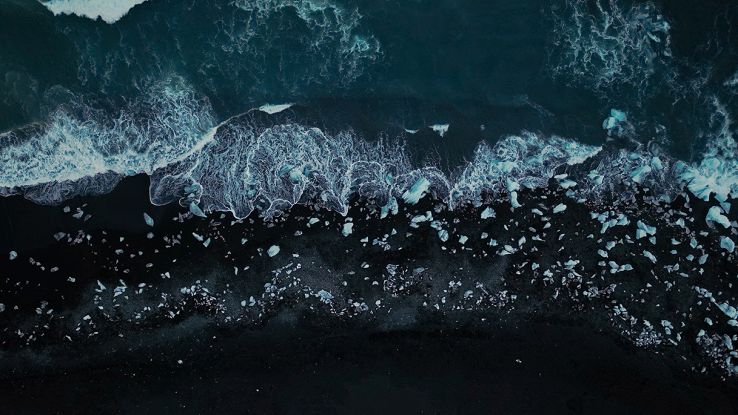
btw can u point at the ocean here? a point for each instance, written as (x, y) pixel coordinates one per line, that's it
(381, 170)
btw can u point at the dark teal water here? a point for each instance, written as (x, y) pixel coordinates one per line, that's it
(489, 69)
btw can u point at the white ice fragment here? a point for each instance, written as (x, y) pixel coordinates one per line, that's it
(441, 129)
(727, 244)
(325, 296)
(715, 214)
(488, 212)
(148, 219)
(13, 255)
(559, 208)
(348, 228)
(274, 108)
(650, 256)
(273, 250)
(195, 210)
(463, 239)
(443, 235)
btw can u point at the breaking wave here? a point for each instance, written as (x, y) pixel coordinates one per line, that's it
(266, 162)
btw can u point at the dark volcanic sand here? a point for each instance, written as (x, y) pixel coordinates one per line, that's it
(297, 355)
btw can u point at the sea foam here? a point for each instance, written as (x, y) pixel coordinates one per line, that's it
(110, 11)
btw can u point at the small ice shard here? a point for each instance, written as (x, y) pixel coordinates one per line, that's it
(148, 219)
(409, 131)
(273, 250)
(715, 214)
(559, 208)
(463, 239)
(488, 212)
(650, 256)
(195, 210)
(198, 236)
(644, 230)
(325, 296)
(443, 235)
(417, 191)
(616, 117)
(348, 228)
(727, 244)
(514, 200)
(13, 255)
(2, 307)
(274, 108)
(441, 129)
(313, 221)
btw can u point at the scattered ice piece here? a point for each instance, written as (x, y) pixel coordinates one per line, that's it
(644, 230)
(148, 219)
(559, 208)
(488, 212)
(616, 117)
(441, 129)
(650, 256)
(274, 108)
(313, 221)
(715, 214)
(195, 210)
(13, 255)
(273, 250)
(348, 228)
(463, 239)
(325, 296)
(727, 244)
(443, 235)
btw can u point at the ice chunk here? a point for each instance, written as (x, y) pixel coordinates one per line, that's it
(417, 191)
(650, 256)
(463, 239)
(616, 117)
(559, 208)
(325, 296)
(488, 212)
(443, 235)
(348, 228)
(715, 214)
(148, 219)
(274, 108)
(727, 244)
(195, 210)
(273, 250)
(13, 255)
(441, 129)
(644, 230)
